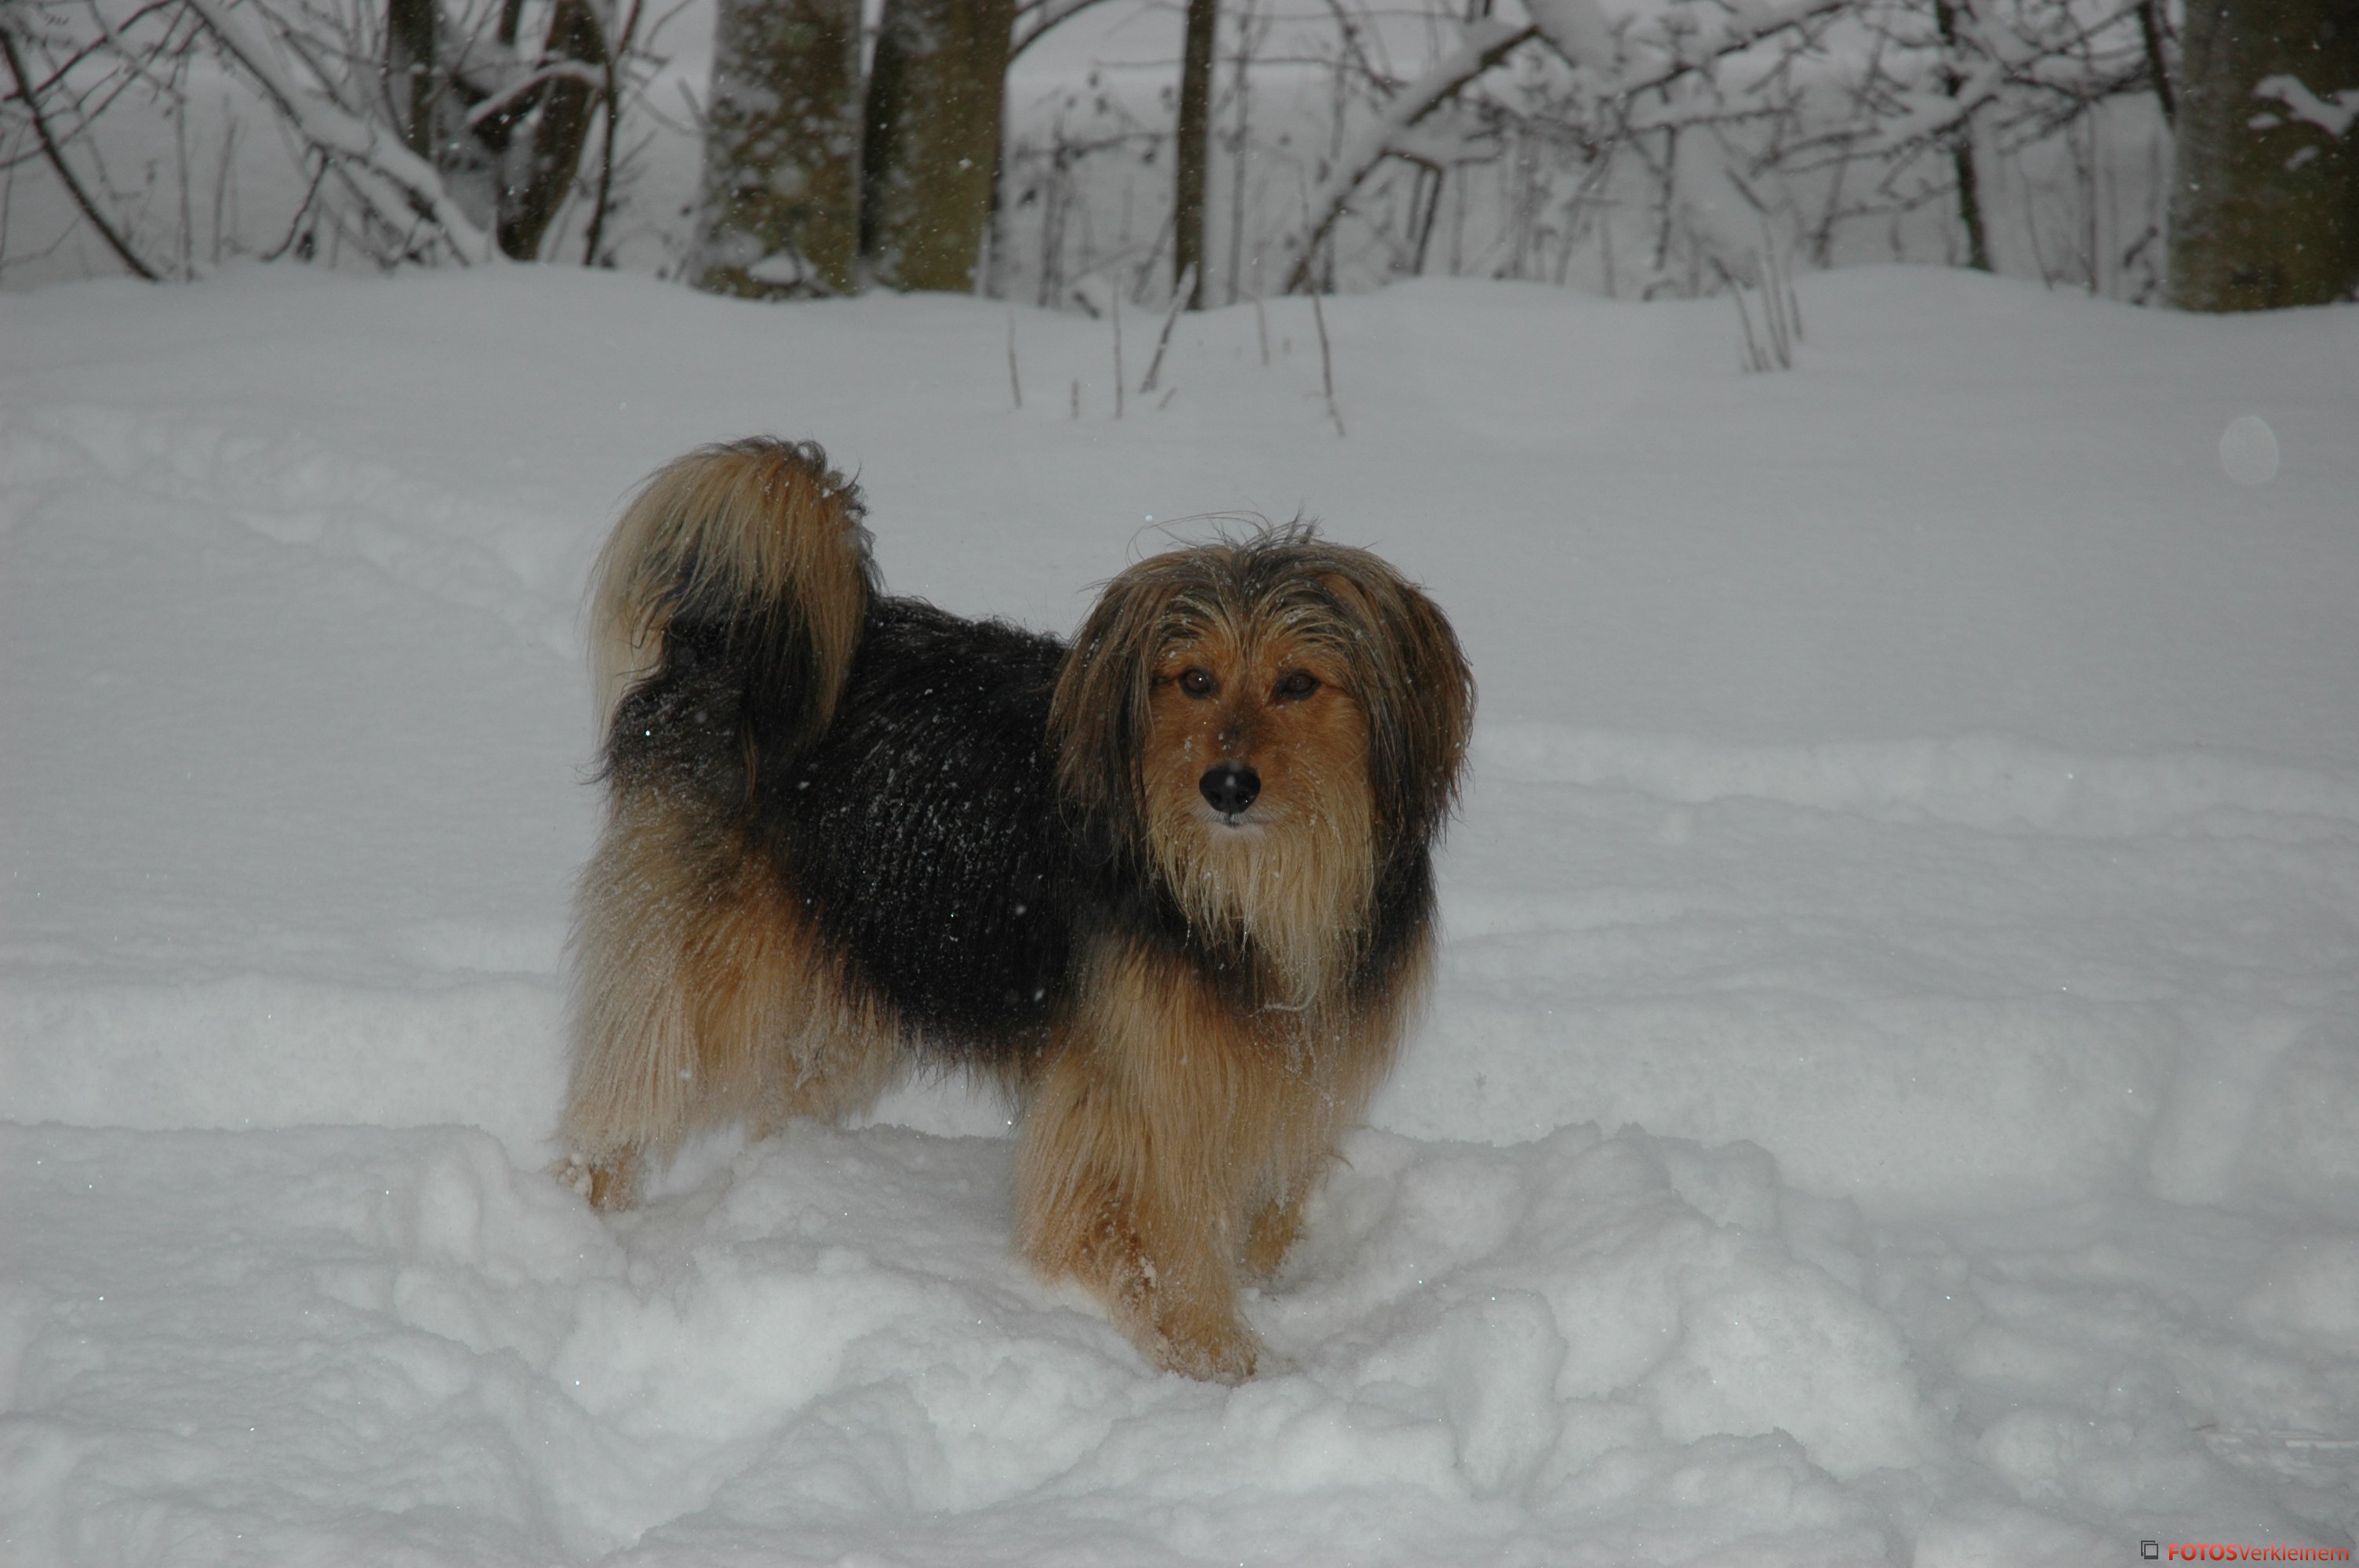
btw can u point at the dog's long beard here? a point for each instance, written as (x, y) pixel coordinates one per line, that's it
(1293, 892)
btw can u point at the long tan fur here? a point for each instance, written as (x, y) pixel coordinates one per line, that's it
(1172, 1144)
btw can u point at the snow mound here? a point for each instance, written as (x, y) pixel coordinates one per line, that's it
(828, 1329)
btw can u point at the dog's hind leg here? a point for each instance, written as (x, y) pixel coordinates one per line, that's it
(702, 998)
(633, 1091)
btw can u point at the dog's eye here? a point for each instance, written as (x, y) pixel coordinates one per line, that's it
(1196, 681)
(1296, 685)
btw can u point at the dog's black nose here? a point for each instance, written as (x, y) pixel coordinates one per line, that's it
(1230, 787)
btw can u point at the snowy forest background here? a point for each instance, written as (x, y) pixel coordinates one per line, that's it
(1061, 153)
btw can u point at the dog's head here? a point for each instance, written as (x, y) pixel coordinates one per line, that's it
(1272, 719)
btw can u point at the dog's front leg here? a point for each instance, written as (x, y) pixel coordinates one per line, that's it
(1126, 1180)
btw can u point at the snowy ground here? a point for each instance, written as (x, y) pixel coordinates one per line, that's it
(1889, 1098)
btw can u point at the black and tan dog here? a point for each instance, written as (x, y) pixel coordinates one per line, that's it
(1171, 882)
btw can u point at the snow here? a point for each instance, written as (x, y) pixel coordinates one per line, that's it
(1577, 29)
(1887, 1098)
(2335, 114)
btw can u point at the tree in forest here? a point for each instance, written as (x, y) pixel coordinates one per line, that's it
(504, 127)
(928, 160)
(779, 213)
(2264, 199)
(816, 182)
(1962, 141)
(932, 153)
(1194, 148)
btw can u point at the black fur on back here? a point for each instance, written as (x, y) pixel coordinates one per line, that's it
(923, 833)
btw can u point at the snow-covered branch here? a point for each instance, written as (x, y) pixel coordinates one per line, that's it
(400, 189)
(2334, 115)
(519, 94)
(1934, 115)
(1614, 66)
(1483, 46)
(422, 131)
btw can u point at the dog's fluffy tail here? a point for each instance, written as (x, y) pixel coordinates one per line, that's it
(754, 551)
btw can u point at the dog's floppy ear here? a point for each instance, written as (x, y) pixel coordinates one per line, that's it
(1417, 691)
(1098, 715)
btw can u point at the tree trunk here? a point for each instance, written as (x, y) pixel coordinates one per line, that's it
(412, 83)
(1961, 145)
(2265, 203)
(935, 99)
(780, 208)
(2158, 58)
(1194, 149)
(567, 106)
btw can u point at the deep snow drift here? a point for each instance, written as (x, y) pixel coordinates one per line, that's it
(1889, 1098)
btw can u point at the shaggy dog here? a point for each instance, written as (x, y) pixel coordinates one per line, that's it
(1171, 884)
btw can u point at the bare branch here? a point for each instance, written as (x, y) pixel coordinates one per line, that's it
(56, 155)
(1483, 46)
(1035, 18)
(1580, 35)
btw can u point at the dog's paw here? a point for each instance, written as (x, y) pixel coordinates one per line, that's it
(574, 1173)
(1208, 1350)
(610, 1186)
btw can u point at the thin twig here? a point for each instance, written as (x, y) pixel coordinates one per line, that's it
(1753, 360)
(1015, 381)
(221, 177)
(1326, 365)
(615, 59)
(1180, 297)
(303, 214)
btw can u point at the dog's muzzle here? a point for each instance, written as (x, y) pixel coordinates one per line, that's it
(1229, 788)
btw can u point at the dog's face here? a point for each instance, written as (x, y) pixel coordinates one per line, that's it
(1269, 720)
(1252, 729)
(1254, 775)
